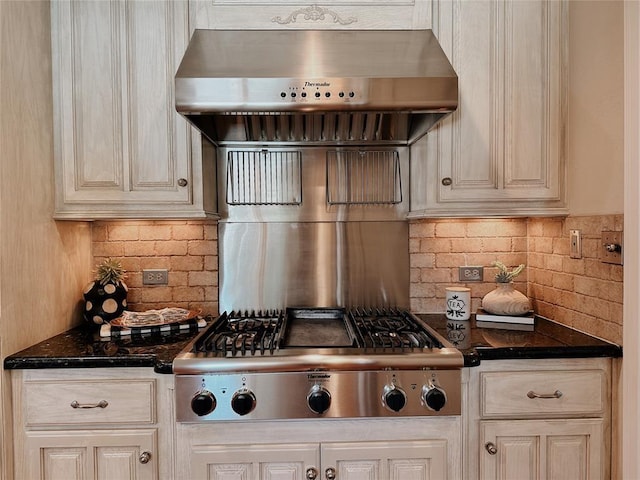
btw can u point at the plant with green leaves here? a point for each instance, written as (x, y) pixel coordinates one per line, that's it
(504, 275)
(110, 270)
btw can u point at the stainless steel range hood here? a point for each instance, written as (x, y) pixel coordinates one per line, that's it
(319, 86)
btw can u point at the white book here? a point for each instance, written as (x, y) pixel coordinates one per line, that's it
(482, 316)
(506, 326)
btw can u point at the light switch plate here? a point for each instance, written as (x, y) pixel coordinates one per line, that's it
(575, 244)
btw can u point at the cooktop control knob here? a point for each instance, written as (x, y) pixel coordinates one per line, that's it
(319, 399)
(243, 402)
(394, 398)
(434, 397)
(203, 403)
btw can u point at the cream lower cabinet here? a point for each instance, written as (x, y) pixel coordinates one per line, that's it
(542, 449)
(92, 424)
(79, 455)
(425, 459)
(344, 449)
(540, 420)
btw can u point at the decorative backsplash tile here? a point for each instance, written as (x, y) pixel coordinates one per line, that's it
(582, 293)
(188, 249)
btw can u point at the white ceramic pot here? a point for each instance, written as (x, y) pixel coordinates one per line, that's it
(506, 300)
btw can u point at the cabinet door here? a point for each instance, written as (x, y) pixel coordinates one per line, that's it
(264, 462)
(82, 455)
(503, 150)
(542, 449)
(418, 460)
(121, 149)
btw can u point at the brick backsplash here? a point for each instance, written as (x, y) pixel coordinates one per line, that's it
(188, 249)
(585, 293)
(582, 293)
(438, 247)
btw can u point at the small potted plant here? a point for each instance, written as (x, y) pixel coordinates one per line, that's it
(505, 299)
(105, 297)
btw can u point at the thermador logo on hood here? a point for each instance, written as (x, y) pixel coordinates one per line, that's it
(317, 84)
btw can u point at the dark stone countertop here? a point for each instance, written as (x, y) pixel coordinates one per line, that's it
(547, 339)
(81, 347)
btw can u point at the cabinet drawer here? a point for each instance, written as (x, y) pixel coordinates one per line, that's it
(555, 393)
(89, 402)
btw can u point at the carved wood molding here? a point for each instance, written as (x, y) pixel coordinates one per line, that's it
(314, 13)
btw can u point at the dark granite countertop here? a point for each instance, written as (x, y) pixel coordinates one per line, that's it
(81, 347)
(546, 339)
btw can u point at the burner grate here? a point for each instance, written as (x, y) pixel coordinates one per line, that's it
(245, 333)
(392, 328)
(251, 333)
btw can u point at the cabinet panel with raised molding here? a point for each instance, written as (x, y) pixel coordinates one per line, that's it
(121, 149)
(545, 418)
(503, 151)
(288, 14)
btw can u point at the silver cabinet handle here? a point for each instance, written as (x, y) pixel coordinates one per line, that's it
(491, 448)
(330, 473)
(100, 404)
(144, 457)
(312, 473)
(532, 394)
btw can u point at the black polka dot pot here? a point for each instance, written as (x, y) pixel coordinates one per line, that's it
(103, 303)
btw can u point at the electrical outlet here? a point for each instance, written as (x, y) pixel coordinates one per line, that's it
(470, 274)
(575, 244)
(155, 277)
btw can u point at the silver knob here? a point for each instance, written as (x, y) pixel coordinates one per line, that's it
(330, 473)
(182, 182)
(144, 457)
(491, 448)
(312, 473)
(612, 247)
(446, 181)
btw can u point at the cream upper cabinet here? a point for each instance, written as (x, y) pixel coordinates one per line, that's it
(503, 151)
(284, 14)
(121, 149)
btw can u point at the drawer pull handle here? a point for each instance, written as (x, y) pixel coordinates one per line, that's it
(144, 457)
(491, 448)
(556, 394)
(100, 404)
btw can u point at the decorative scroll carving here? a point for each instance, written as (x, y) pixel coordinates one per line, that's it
(314, 13)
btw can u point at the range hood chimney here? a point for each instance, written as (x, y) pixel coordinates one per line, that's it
(319, 86)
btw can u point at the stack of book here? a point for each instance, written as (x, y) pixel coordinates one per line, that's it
(511, 322)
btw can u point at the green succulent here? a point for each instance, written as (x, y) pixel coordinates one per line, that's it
(110, 271)
(504, 275)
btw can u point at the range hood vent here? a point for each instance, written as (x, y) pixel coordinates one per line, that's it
(315, 86)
